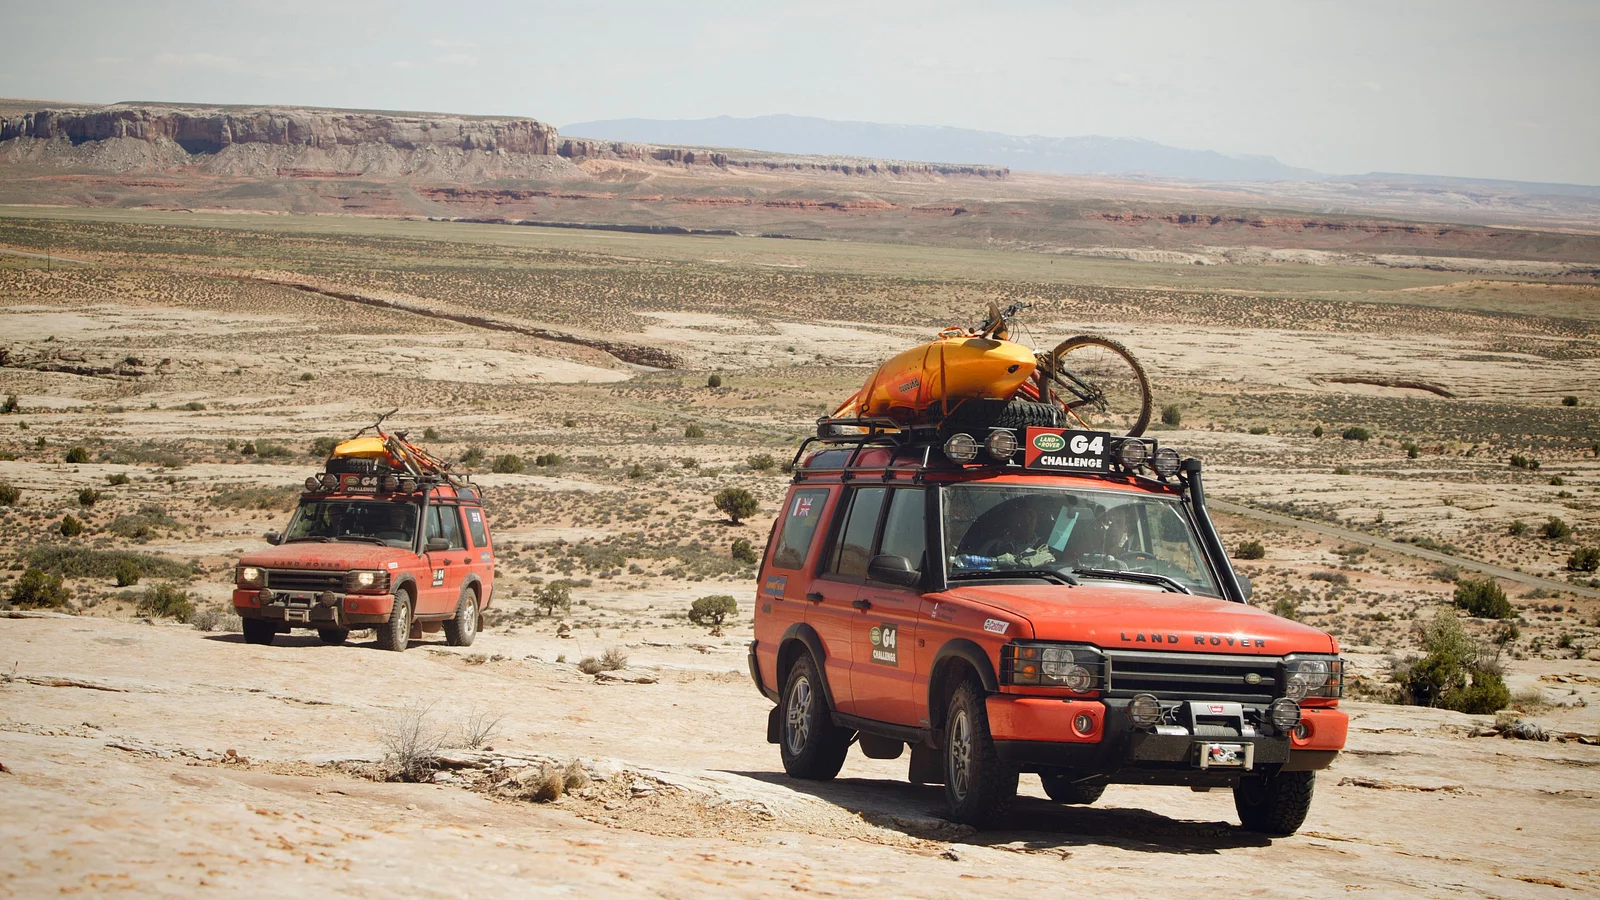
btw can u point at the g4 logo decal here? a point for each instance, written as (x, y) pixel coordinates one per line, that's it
(438, 577)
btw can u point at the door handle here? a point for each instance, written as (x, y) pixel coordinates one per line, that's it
(815, 597)
(862, 605)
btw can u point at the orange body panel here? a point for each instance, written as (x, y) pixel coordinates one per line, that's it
(1040, 719)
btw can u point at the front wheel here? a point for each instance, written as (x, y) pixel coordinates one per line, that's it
(978, 784)
(259, 631)
(1062, 789)
(812, 746)
(1097, 383)
(1274, 804)
(395, 634)
(461, 630)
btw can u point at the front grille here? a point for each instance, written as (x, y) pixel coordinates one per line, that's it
(1192, 676)
(282, 580)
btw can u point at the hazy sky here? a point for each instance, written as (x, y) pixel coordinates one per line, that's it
(1500, 90)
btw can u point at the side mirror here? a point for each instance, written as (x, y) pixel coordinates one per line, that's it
(1245, 586)
(273, 538)
(438, 545)
(891, 569)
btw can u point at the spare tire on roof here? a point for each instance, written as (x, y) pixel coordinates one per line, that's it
(976, 417)
(354, 465)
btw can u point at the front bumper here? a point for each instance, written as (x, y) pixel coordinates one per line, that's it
(1037, 733)
(311, 609)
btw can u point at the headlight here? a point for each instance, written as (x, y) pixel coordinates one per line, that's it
(1078, 668)
(1313, 676)
(961, 448)
(248, 576)
(366, 580)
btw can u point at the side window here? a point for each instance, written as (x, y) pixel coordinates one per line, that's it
(854, 549)
(480, 535)
(445, 522)
(905, 531)
(799, 528)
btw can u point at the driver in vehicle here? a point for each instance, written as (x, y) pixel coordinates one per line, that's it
(1015, 534)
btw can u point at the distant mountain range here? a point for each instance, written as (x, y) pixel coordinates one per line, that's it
(925, 143)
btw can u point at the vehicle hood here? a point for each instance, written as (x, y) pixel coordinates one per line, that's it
(1144, 619)
(334, 556)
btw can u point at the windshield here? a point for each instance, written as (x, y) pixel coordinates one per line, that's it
(394, 524)
(996, 528)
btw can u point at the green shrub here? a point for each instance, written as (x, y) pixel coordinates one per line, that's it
(472, 457)
(761, 462)
(9, 494)
(1555, 529)
(694, 431)
(37, 588)
(71, 526)
(1259, 429)
(142, 525)
(1317, 431)
(264, 498)
(1452, 674)
(738, 503)
(117, 479)
(1356, 433)
(88, 497)
(712, 611)
(553, 597)
(81, 562)
(745, 553)
(508, 464)
(637, 471)
(1341, 470)
(1557, 480)
(548, 460)
(127, 572)
(307, 376)
(1172, 415)
(270, 450)
(715, 381)
(430, 434)
(248, 448)
(193, 406)
(77, 456)
(1286, 607)
(167, 602)
(13, 404)
(1250, 550)
(322, 447)
(1517, 528)
(1569, 400)
(1483, 599)
(1584, 559)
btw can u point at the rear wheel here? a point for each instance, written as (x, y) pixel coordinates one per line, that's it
(395, 634)
(1274, 804)
(812, 746)
(1063, 790)
(978, 784)
(1098, 384)
(460, 631)
(259, 631)
(333, 636)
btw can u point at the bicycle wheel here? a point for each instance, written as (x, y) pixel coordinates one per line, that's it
(1098, 383)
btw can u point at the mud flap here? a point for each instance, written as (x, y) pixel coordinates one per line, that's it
(927, 765)
(774, 726)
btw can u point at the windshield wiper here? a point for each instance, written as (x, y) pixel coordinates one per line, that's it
(1171, 584)
(361, 537)
(321, 539)
(1052, 575)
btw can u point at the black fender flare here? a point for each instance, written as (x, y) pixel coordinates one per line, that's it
(939, 674)
(409, 582)
(802, 635)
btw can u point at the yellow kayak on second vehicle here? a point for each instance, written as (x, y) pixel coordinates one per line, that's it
(940, 373)
(361, 448)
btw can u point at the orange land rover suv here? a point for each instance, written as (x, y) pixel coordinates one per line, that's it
(1031, 600)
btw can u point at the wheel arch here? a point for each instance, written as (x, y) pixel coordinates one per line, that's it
(955, 660)
(797, 639)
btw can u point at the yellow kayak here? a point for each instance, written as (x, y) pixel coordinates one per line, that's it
(361, 448)
(935, 376)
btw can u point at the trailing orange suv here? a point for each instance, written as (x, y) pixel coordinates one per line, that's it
(399, 554)
(1031, 600)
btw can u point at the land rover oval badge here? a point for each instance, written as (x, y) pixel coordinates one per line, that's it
(1049, 443)
(1252, 678)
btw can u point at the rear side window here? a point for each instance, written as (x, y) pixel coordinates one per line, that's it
(480, 535)
(799, 528)
(854, 550)
(445, 522)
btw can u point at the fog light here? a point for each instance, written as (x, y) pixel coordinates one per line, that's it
(330, 481)
(1132, 454)
(327, 598)
(1284, 713)
(1144, 710)
(1166, 462)
(1301, 732)
(961, 448)
(1001, 445)
(1083, 724)
(408, 484)
(266, 596)
(313, 484)
(350, 606)
(389, 483)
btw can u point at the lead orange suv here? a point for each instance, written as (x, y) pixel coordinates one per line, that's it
(1031, 600)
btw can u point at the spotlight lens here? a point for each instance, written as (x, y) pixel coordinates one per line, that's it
(389, 483)
(1144, 710)
(1284, 713)
(1001, 445)
(961, 448)
(1132, 454)
(313, 484)
(1166, 462)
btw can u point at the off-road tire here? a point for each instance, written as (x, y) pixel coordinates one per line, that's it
(811, 745)
(1062, 789)
(1274, 804)
(353, 465)
(259, 631)
(978, 784)
(333, 636)
(976, 417)
(463, 629)
(1146, 399)
(395, 634)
